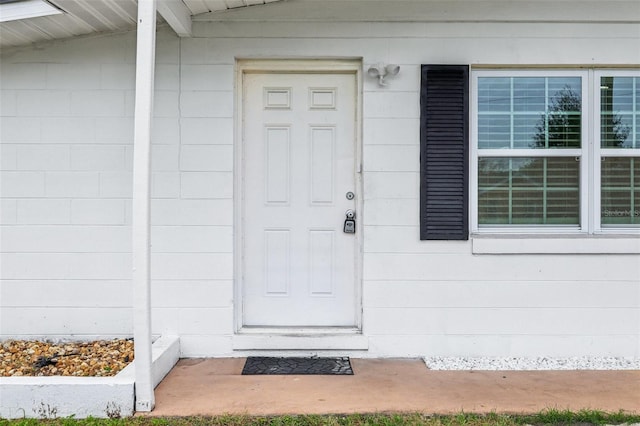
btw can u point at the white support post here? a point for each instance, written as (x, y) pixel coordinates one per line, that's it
(145, 70)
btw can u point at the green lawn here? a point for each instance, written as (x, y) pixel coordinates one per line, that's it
(550, 417)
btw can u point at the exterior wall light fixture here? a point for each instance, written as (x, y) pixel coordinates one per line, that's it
(380, 71)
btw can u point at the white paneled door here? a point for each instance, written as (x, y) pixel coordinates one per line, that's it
(299, 150)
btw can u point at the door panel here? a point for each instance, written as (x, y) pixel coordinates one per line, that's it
(299, 157)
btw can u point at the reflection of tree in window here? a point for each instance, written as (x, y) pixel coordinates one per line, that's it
(614, 133)
(620, 176)
(537, 190)
(559, 127)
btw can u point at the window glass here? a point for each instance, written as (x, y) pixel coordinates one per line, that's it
(494, 131)
(620, 112)
(528, 191)
(529, 112)
(494, 94)
(535, 166)
(526, 130)
(620, 189)
(529, 94)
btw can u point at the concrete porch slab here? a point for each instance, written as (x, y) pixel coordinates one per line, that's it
(215, 387)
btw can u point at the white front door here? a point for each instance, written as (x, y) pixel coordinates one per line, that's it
(299, 135)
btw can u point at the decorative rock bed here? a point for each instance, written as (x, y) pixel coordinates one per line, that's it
(41, 396)
(35, 358)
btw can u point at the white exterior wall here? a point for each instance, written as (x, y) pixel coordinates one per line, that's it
(66, 187)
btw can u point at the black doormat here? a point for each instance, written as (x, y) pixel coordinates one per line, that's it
(270, 365)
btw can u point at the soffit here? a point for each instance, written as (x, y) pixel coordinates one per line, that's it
(83, 17)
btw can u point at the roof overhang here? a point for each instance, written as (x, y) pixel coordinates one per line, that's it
(24, 22)
(16, 10)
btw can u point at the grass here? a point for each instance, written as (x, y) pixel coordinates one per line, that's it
(548, 417)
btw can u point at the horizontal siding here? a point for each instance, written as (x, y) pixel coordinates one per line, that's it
(206, 185)
(506, 294)
(193, 320)
(400, 212)
(549, 345)
(206, 158)
(206, 32)
(69, 266)
(65, 239)
(63, 321)
(197, 131)
(192, 266)
(107, 294)
(89, 321)
(406, 239)
(400, 266)
(198, 77)
(8, 212)
(392, 158)
(192, 239)
(391, 104)
(192, 212)
(508, 44)
(100, 293)
(386, 131)
(206, 345)
(507, 321)
(216, 104)
(113, 239)
(391, 185)
(192, 294)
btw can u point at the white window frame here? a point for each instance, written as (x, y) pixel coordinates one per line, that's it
(589, 153)
(600, 152)
(580, 153)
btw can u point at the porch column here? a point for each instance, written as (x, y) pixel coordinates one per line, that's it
(145, 70)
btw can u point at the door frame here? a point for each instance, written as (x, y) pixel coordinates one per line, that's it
(297, 66)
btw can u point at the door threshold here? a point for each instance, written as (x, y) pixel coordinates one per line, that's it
(298, 331)
(316, 339)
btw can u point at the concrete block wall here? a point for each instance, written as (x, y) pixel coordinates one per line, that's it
(67, 158)
(201, 219)
(66, 130)
(66, 176)
(439, 298)
(193, 223)
(66, 194)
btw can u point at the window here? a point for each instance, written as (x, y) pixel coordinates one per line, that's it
(619, 149)
(555, 151)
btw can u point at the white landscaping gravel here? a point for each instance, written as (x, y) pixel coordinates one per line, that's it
(542, 363)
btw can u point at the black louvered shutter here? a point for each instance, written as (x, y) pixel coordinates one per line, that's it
(444, 152)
